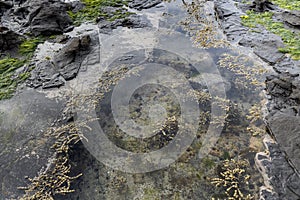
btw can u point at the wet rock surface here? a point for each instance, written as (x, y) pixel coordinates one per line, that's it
(292, 18)
(64, 66)
(37, 17)
(143, 4)
(25, 153)
(282, 177)
(282, 165)
(9, 41)
(285, 129)
(24, 147)
(133, 21)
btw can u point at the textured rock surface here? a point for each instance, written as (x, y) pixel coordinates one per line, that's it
(286, 130)
(133, 21)
(230, 20)
(265, 45)
(143, 4)
(283, 94)
(282, 177)
(292, 18)
(24, 148)
(9, 41)
(64, 66)
(37, 17)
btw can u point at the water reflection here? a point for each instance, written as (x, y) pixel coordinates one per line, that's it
(228, 168)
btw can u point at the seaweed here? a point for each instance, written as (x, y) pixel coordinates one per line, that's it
(94, 9)
(291, 39)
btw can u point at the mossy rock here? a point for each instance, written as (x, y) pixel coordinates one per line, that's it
(290, 38)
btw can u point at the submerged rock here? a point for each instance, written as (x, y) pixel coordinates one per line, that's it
(143, 4)
(132, 21)
(24, 147)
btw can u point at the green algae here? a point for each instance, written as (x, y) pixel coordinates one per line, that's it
(288, 4)
(208, 163)
(8, 79)
(93, 10)
(28, 46)
(291, 39)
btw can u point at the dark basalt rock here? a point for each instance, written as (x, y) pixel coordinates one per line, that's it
(265, 46)
(283, 91)
(76, 6)
(283, 122)
(287, 65)
(292, 18)
(48, 18)
(9, 41)
(4, 6)
(230, 20)
(262, 5)
(38, 17)
(225, 9)
(65, 65)
(283, 178)
(143, 4)
(286, 130)
(133, 21)
(24, 148)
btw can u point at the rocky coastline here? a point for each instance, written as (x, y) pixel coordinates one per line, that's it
(280, 164)
(60, 56)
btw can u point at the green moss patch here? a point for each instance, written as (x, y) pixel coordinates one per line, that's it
(8, 79)
(28, 46)
(290, 38)
(93, 10)
(288, 4)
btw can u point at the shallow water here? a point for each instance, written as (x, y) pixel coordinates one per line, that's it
(170, 114)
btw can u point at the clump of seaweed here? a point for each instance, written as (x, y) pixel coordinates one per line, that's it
(245, 76)
(94, 9)
(234, 179)
(206, 34)
(8, 77)
(27, 47)
(55, 179)
(200, 96)
(168, 131)
(290, 38)
(255, 117)
(288, 4)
